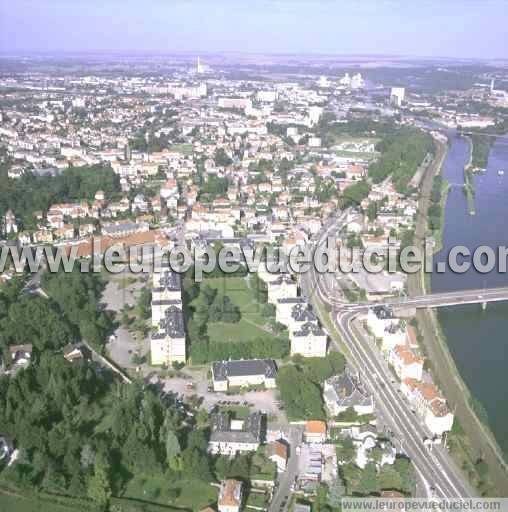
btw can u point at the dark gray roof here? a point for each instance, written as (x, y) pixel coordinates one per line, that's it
(121, 227)
(221, 429)
(166, 302)
(223, 369)
(216, 236)
(348, 390)
(382, 312)
(283, 278)
(173, 322)
(310, 328)
(302, 313)
(291, 300)
(169, 281)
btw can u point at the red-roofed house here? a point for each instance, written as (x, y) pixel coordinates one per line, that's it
(406, 363)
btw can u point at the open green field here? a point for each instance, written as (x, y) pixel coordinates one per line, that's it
(252, 323)
(185, 149)
(354, 154)
(190, 494)
(11, 503)
(14, 504)
(339, 139)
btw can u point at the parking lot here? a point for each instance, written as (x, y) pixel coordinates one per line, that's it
(124, 289)
(195, 382)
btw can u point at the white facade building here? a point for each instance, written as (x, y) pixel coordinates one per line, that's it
(309, 340)
(429, 404)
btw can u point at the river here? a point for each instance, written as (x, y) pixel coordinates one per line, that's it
(477, 339)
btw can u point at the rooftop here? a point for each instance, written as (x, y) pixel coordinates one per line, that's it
(347, 390)
(223, 432)
(223, 369)
(315, 427)
(230, 493)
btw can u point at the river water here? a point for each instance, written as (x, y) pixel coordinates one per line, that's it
(477, 339)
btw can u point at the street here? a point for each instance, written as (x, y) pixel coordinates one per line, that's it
(435, 469)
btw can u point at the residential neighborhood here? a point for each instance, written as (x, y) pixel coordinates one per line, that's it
(236, 391)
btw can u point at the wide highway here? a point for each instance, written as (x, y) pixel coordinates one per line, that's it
(434, 467)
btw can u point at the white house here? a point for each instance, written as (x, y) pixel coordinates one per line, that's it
(282, 288)
(159, 308)
(315, 432)
(231, 436)
(344, 391)
(406, 363)
(385, 327)
(278, 452)
(244, 373)
(167, 345)
(309, 340)
(300, 315)
(429, 404)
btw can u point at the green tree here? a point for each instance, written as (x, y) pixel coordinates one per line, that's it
(345, 450)
(301, 396)
(368, 483)
(336, 490)
(99, 489)
(196, 464)
(173, 448)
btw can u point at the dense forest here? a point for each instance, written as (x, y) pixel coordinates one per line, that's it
(72, 312)
(435, 211)
(300, 384)
(401, 155)
(355, 194)
(32, 193)
(84, 435)
(85, 438)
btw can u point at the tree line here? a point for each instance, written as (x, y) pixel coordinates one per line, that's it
(32, 193)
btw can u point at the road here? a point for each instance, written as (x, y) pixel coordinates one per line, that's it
(434, 468)
(287, 478)
(434, 300)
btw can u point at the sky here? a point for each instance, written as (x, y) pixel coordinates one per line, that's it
(424, 28)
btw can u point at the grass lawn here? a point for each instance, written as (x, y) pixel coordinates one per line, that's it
(185, 149)
(252, 323)
(31, 504)
(14, 504)
(354, 154)
(240, 412)
(366, 140)
(191, 494)
(257, 499)
(263, 469)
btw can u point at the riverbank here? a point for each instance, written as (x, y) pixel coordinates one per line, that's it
(437, 202)
(468, 178)
(472, 440)
(438, 235)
